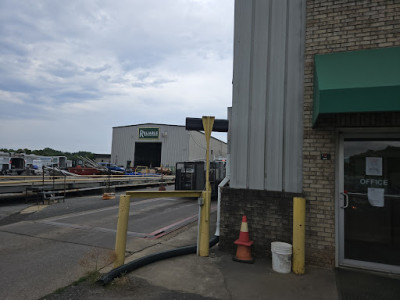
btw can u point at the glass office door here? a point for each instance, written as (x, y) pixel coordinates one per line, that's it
(369, 204)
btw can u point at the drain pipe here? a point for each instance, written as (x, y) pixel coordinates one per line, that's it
(220, 186)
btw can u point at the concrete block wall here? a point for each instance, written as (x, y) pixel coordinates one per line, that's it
(336, 26)
(270, 218)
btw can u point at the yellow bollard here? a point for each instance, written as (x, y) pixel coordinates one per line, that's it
(299, 220)
(204, 228)
(122, 228)
(204, 234)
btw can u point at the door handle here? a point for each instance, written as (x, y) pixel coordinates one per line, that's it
(346, 200)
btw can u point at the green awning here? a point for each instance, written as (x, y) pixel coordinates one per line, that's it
(357, 81)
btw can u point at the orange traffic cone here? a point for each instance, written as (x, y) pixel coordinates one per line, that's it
(243, 252)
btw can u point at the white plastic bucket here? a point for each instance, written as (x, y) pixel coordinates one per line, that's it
(281, 257)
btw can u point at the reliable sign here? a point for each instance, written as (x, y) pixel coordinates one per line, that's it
(149, 133)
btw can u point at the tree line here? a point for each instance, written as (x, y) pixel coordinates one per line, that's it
(51, 152)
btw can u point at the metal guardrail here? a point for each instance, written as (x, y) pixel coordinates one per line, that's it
(157, 194)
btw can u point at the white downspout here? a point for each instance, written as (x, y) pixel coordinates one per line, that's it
(221, 185)
(228, 171)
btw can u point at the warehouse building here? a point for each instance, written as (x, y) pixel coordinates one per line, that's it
(316, 114)
(154, 145)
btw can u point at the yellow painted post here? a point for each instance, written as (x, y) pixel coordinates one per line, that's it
(122, 228)
(204, 240)
(299, 220)
(204, 234)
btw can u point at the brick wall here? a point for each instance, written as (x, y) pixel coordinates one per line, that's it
(336, 26)
(270, 218)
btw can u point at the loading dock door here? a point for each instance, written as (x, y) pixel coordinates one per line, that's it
(147, 154)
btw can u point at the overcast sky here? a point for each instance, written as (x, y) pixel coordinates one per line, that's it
(72, 70)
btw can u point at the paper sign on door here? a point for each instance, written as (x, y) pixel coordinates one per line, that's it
(373, 166)
(376, 197)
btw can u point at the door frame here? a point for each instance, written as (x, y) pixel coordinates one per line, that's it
(340, 261)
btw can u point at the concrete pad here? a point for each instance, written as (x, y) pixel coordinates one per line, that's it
(134, 245)
(189, 273)
(259, 281)
(185, 236)
(219, 277)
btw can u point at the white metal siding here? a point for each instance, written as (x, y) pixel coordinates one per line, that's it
(293, 127)
(198, 146)
(276, 96)
(218, 148)
(123, 145)
(175, 145)
(258, 90)
(268, 94)
(241, 92)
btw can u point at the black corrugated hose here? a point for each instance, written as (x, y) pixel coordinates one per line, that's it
(133, 265)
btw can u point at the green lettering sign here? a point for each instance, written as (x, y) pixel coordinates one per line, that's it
(149, 133)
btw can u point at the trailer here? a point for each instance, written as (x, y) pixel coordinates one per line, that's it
(60, 162)
(46, 161)
(13, 165)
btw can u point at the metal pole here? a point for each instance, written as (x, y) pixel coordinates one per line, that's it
(299, 220)
(204, 233)
(122, 228)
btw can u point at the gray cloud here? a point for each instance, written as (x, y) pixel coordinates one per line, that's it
(122, 61)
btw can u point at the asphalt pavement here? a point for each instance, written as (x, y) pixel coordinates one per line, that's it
(44, 248)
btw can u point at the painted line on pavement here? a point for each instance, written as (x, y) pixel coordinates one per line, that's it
(151, 236)
(86, 227)
(72, 215)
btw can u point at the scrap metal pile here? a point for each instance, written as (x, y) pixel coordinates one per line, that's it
(91, 167)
